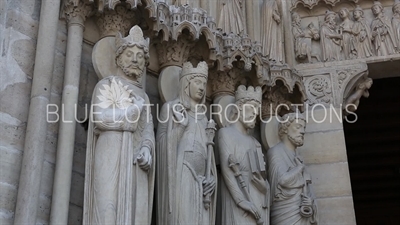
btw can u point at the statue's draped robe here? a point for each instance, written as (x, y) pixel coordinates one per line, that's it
(348, 45)
(248, 153)
(363, 46)
(330, 46)
(272, 36)
(231, 19)
(300, 43)
(181, 157)
(285, 191)
(385, 43)
(396, 28)
(114, 186)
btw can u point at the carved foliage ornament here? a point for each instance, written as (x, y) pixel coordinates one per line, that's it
(112, 21)
(76, 12)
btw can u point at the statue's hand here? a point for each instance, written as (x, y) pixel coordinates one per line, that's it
(144, 158)
(299, 164)
(276, 17)
(259, 182)
(251, 208)
(305, 200)
(139, 101)
(181, 117)
(209, 185)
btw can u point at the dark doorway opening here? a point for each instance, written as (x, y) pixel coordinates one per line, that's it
(373, 149)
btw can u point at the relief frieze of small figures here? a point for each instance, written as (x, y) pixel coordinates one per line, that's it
(347, 35)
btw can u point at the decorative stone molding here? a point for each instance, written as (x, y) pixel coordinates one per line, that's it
(224, 48)
(118, 19)
(102, 5)
(225, 83)
(331, 83)
(174, 53)
(311, 3)
(76, 11)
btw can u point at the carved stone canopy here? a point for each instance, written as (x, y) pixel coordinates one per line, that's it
(311, 3)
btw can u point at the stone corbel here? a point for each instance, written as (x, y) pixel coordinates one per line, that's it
(174, 53)
(330, 84)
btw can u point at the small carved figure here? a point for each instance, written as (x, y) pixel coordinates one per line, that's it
(272, 40)
(119, 179)
(330, 38)
(302, 38)
(184, 176)
(291, 201)
(362, 34)
(245, 190)
(345, 28)
(396, 22)
(231, 19)
(382, 32)
(353, 100)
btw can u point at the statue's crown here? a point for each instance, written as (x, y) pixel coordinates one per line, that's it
(188, 69)
(135, 37)
(249, 94)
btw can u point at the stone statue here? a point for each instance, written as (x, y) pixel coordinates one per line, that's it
(302, 38)
(119, 179)
(362, 34)
(382, 32)
(353, 100)
(396, 22)
(330, 38)
(182, 154)
(345, 28)
(244, 190)
(231, 19)
(291, 201)
(271, 28)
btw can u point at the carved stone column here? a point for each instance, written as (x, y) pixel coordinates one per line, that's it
(32, 161)
(328, 85)
(75, 13)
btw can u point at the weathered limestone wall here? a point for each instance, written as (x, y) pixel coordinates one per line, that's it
(324, 153)
(18, 32)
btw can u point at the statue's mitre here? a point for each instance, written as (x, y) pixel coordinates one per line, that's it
(200, 70)
(135, 37)
(249, 94)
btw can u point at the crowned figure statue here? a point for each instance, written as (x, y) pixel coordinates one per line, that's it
(245, 189)
(119, 176)
(182, 183)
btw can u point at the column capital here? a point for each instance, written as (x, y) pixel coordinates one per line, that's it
(76, 12)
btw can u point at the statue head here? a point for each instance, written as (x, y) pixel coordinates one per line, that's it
(344, 13)
(376, 8)
(248, 103)
(396, 7)
(292, 128)
(296, 18)
(193, 83)
(330, 17)
(358, 13)
(132, 54)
